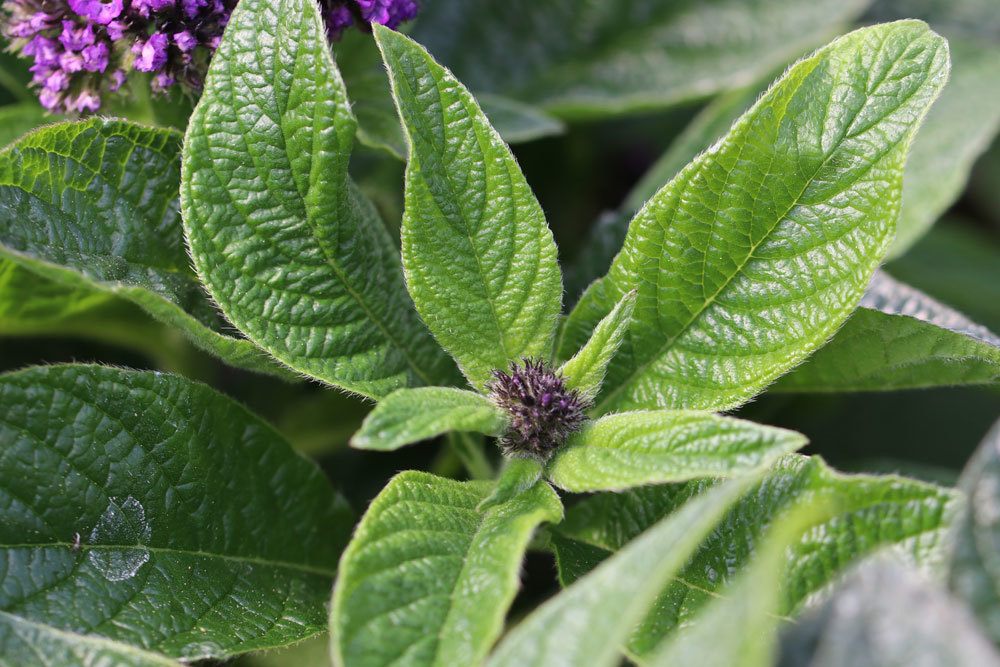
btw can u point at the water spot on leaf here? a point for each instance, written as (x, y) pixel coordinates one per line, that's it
(123, 527)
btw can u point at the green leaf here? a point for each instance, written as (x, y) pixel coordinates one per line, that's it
(586, 623)
(517, 122)
(900, 339)
(975, 566)
(18, 119)
(410, 415)
(635, 448)
(873, 512)
(143, 509)
(428, 578)
(885, 614)
(93, 206)
(519, 475)
(755, 254)
(480, 260)
(295, 256)
(585, 371)
(603, 58)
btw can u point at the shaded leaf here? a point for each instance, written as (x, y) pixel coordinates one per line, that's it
(585, 371)
(519, 475)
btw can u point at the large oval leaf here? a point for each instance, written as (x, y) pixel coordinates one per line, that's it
(295, 256)
(144, 510)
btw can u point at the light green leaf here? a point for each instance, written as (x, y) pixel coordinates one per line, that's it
(143, 509)
(480, 260)
(519, 475)
(585, 371)
(93, 206)
(900, 339)
(872, 512)
(975, 566)
(295, 256)
(755, 254)
(428, 578)
(586, 623)
(614, 56)
(410, 415)
(635, 448)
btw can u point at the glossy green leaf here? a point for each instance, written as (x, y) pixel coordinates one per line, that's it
(613, 56)
(975, 566)
(756, 253)
(146, 510)
(519, 475)
(428, 578)
(872, 512)
(410, 415)
(480, 260)
(900, 339)
(586, 623)
(585, 371)
(636, 448)
(885, 614)
(295, 256)
(93, 206)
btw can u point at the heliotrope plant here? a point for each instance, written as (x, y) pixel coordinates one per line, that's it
(148, 518)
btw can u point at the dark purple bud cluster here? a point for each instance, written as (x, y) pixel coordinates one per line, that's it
(543, 411)
(341, 14)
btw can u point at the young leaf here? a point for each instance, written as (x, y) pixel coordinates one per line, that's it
(93, 205)
(621, 451)
(756, 253)
(428, 578)
(410, 415)
(519, 475)
(609, 57)
(872, 512)
(295, 256)
(480, 261)
(585, 371)
(146, 510)
(900, 339)
(975, 566)
(586, 623)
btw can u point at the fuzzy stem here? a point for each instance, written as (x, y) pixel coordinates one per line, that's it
(472, 455)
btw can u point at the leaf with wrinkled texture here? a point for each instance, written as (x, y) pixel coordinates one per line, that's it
(636, 448)
(586, 623)
(295, 256)
(428, 578)
(411, 415)
(873, 512)
(201, 533)
(756, 253)
(480, 260)
(585, 371)
(93, 206)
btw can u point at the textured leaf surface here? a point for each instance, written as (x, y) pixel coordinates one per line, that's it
(885, 614)
(610, 56)
(411, 415)
(480, 260)
(900, 339)
(200, 532)
(93, 205)
(621, 451)
(753, 256)
(872, 512)
(428, 578)
(586, 623)
(585, 371)
(295, 256)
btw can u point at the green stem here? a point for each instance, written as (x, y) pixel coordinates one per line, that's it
(470, 452)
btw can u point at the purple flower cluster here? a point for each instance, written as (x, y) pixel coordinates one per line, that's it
(341, 14)
(84, 49)
(543, 411)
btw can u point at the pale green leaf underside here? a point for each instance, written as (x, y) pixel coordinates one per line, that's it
(900, 339)
(428, 578)
(602, 57)
(480, 260)
(587, 623)
(93, 206)
(585, 371)
(295, 256)
(872, 512)
(201, 533)
(636, 448)
(407, 416)
(759, 249)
